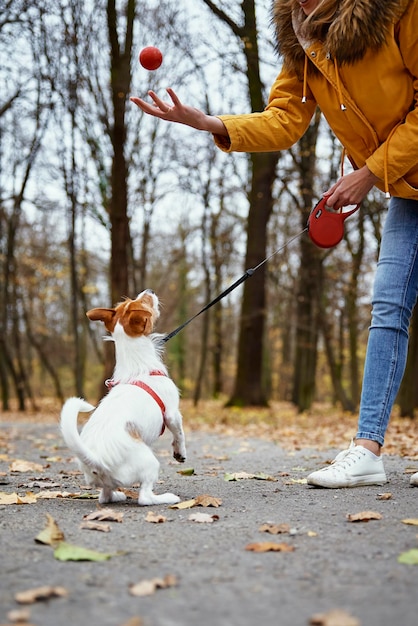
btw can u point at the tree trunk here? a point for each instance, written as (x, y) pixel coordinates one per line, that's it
(248, 389)
(310, 280)
(120, 82)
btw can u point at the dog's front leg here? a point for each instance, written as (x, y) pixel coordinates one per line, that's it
(174, 424)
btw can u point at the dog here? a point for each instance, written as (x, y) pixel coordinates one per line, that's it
(113, 449)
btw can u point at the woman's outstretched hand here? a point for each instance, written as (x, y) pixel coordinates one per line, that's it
(175, 111)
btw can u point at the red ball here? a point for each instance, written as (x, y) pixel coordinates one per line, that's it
(150, 58)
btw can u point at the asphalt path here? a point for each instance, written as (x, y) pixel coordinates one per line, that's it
(327, 570)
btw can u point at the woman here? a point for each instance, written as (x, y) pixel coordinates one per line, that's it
(358, 61)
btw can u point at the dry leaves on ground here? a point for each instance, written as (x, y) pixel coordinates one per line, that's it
(336, 617)
(322, 427)
(203, 518)
(269, 546)
(40, 594)
(155, 518)
(363, 516)
(149, 587)
(204, 500)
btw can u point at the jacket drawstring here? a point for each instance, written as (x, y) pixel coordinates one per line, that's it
(337, 75)
(305, 79)
(385, 160)
(340, 94)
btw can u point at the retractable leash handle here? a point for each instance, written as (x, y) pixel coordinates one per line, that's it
(326, 228)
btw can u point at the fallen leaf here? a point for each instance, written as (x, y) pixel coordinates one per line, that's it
(384, 496)
(30, 596)
(363, 516)
(410, 521)
(69, 552)
(246, 476)
(14, 498)
(203, 500)
(19, 616)
(186, 472)
(50, 495)
(105, 515)
(148, 587)
(269, 546)
(104, 528)
(409, 558)
(336, 617)
(25, 466)
(155, 518)
(206, 500)
(52, 534)
(312, 533)
(186, 504)
(298, 481)
(134, 621)
(203, 518)
(274, 529)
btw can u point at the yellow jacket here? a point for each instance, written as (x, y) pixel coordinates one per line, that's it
(368, 93)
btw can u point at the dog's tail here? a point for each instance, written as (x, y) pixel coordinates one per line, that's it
(69, 431)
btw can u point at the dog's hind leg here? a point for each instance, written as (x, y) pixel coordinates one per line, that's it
(148, 477)
(107, 495)
(175, 426)
(148, 497)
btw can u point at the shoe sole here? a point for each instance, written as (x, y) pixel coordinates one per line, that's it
(363, 481)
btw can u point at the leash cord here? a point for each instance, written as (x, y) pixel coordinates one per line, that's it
(238, 282)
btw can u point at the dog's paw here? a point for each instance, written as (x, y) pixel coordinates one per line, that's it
(150, 498)
(179, 456)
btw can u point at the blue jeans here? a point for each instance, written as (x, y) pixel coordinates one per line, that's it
(394, 296)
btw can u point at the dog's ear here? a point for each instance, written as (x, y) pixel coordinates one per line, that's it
(139, 323)
(102, 315)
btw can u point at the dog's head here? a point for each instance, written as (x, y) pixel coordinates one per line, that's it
(136, 317)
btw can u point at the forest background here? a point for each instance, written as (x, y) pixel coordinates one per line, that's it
(98, 201)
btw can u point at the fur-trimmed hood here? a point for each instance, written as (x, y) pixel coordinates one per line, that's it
(359, 25)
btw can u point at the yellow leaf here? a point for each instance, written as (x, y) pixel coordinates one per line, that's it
(105, 515)
(186, 504)
(40, 593)
(269, 546)
(25, 466)
(206, 500)
(411, 521)
(14, 498)
(155, 518)
(203, 500)
(274, 529)
(52, 533)
(148, 587)
(363, 516)
(104, 528)
(336, 617)
(384, 496)
(203, 518)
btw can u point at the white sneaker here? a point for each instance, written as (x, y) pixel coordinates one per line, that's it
(351, 468)
(414, 480)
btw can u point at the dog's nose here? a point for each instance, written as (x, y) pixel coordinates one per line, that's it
(151, 291)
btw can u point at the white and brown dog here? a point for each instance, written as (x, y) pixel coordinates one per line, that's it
(113, 448)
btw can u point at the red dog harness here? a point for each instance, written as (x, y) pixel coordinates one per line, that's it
(139, 383)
